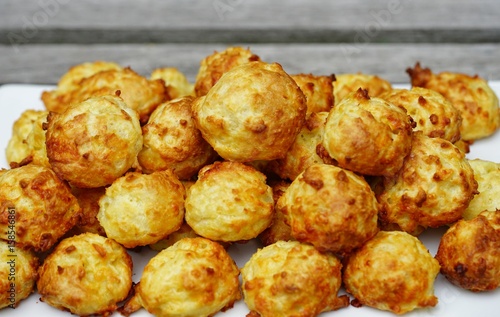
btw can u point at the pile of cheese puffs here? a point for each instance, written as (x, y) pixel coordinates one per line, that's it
(335, 175)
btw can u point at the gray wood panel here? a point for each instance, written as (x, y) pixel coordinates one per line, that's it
(249, 21)
(46, 63)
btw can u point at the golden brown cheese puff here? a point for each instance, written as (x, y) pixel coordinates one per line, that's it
(471, 95)
(88, 199)
(172, 140)
(433, 188)
(195, 277)
(212, 67)
(469, 252)
(306, 150)
(278, 230)
(42, 204)
(56, 100)
(86, 274)
(176, 82)
(229, 202)
(141, 209)
(368, 135)
(345, 84)
(487, 175)
(94, 142)
(254, 112)
(27, 144)
(139, 93)
(331, 208)
(292, 279)
(318, 91)
(393, 272)
(433, 114)
(18, 273)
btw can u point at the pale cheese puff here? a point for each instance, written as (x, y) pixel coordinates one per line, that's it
(487, 176)
(229, 202)
(195, 277)
(27, 144)
(141, 209)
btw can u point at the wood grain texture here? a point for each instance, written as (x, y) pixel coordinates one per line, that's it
(249, 21)
(40, 40)
(45, 64)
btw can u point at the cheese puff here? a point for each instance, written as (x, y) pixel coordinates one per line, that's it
(331, 208)
(306, 150)
(368, 135)
(471, 95)
(94, 142)
(279, 229)
(18, 273)
(487, 176)
(393, 272)
(318, 91)
(58, 98)
(432, 113)
(433, 188)
(229, 202)
(42, 204)
(172, 140)
(345, 84)
(27, 144)
(88, 200)
(86, 274)
(195, 277)
(141, 209)
(292, 279)
(254, 112)
(176, 82)
(469, 252)
(215, 65)
(139, 93)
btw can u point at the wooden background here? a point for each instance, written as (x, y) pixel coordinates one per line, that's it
(40, 40)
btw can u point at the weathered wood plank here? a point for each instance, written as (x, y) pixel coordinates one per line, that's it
(44, 64)
(245, 21)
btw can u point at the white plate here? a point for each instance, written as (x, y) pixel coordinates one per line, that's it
(453, 301)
